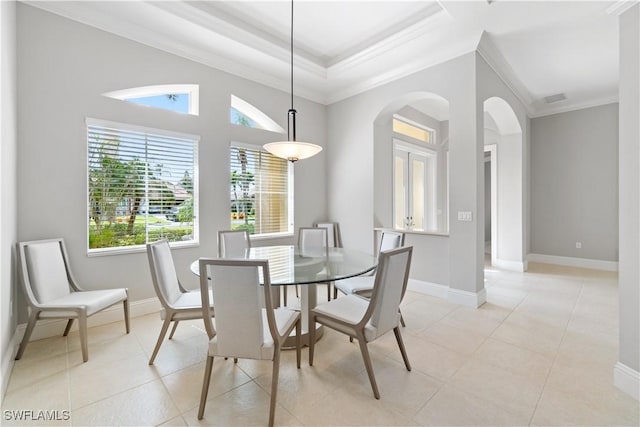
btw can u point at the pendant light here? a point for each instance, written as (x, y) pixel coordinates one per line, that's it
(291, 149)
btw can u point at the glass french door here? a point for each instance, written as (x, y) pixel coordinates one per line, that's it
(414, 188)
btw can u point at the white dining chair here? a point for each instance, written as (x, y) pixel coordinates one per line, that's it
(247, 324)
(368, 320)
(334, 238)
(312, 242)
(177, 302)
(53, 293)
(233, 243)
(363, 285)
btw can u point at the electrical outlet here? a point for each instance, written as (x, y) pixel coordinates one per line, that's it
(578, 245)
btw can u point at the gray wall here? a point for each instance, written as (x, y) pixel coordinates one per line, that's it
(8, 205)
(64, 67)
(359, 167)
(574, 177)
(629, 278)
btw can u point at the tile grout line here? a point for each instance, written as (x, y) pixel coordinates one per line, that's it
(555, 358)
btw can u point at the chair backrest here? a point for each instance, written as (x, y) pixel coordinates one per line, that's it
(391, 240)
(233, 243)
(239, 298)
(45, 270)
(163, 272)
(389, 288)
(313, 241)
(333, 233)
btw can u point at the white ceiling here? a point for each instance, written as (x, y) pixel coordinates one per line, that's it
(342, 48)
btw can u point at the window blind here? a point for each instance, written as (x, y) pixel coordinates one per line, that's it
(261, 191)
(142, 185)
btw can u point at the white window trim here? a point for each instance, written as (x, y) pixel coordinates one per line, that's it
(120, 250)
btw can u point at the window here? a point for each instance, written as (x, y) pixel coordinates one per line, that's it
(261, 191)
(412, 129)
(180, 98)
(244, 114)
(142, 186)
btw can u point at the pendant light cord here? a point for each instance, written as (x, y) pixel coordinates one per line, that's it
(292, 54)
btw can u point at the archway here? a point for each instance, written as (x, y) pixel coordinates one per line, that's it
(504, 144)
(429, 114)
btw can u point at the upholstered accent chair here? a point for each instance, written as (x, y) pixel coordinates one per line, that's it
(53, 293)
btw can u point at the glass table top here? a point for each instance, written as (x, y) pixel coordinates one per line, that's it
(288, 266)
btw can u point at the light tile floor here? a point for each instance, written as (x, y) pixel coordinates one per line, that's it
(541, 351)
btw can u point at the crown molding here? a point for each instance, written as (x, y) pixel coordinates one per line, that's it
(621, 6)
(401, 34)
(605, 100)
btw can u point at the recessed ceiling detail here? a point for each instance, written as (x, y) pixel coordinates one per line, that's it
(347, 47)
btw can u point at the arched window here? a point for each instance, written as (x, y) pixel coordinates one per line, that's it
(180, 98)
(244, 114)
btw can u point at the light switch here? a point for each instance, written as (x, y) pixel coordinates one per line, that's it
(465, 216)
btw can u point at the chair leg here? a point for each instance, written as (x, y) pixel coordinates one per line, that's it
(163, 332)
(312, 338)
(274, 385)
(82, 324)
(328, 291)
(298, 341)
(125, 305)
(27, 334)
(173, 330)
(284, 295)
(401, 319)
(396, 331)
(205, 386)
(67, 328)
(335, 291)
(367, 363)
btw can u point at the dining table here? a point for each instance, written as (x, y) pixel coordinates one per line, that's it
(289, 266)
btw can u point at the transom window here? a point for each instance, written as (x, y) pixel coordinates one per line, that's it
(413, 130)
(142, 186)
(180, 98)
(261, 191)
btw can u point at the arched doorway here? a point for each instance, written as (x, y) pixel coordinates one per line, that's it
(504, 154)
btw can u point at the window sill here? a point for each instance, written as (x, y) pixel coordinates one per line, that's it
(424, 233)
(137, 249)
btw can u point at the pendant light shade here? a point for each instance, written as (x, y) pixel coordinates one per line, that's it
(291, 149)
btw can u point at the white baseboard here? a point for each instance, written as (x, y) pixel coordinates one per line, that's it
(48, 328)
(466, 298)
(627, 380)
(8, 360)
(428, 288)
(510, 265)
(456, 296)
(593, 264)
